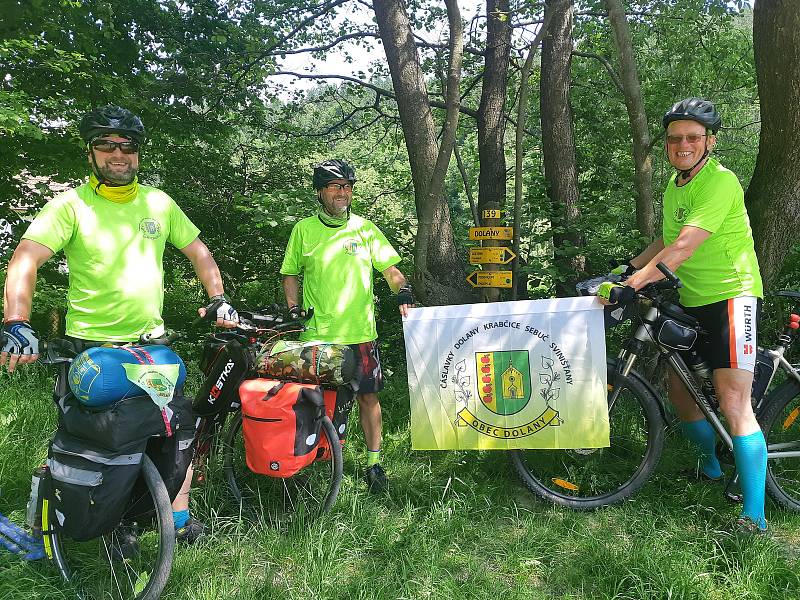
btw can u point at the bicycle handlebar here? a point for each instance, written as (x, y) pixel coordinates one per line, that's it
(272, 320)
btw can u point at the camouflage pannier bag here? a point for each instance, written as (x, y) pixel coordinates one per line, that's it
(308, 362)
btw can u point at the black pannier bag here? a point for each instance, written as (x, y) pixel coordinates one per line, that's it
(339, 409)
(126, 421)
(225, 366)
(115, 426)
(90, 486)
(173, 455)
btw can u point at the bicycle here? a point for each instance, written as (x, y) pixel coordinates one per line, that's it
(305, 495)
(589, 478)
(102, 567)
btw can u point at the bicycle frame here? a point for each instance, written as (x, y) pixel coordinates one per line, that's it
(645, 335)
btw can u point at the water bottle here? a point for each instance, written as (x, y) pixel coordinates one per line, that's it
(33, 515)
(702, 374)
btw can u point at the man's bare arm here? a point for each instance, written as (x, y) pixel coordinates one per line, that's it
(18, 292)
(673, 256)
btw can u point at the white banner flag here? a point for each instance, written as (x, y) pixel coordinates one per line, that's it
(527, 374)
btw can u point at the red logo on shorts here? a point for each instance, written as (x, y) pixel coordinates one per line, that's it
(748, 349)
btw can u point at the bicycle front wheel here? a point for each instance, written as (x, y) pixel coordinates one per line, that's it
(588, 478)
(781, 425)
(304, 496)
(131, 563)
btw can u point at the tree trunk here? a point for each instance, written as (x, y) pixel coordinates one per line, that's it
(491, 118)
(643, 167)
(522, 117)
(439, 270)
(772, 196)
(558, 144)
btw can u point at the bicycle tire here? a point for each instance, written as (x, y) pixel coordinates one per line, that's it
(781, 429)
(89, 567)
(306, 495)
(590, 478)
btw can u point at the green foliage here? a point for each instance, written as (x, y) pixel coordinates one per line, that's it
(455, 525)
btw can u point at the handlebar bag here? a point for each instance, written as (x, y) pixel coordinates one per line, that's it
(281, 425)
(338, 404)
(98, 376)
(328, 364)
(89, 487)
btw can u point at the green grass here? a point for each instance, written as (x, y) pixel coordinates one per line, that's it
(456, 525)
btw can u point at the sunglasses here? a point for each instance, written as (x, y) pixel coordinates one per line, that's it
(127, 147)
(346, 187)
(692, 138)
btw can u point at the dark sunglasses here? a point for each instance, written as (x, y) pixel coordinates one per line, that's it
(109, 146)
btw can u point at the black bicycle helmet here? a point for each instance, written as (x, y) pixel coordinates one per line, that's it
(109, 120)
(331, 170)
(694, 109)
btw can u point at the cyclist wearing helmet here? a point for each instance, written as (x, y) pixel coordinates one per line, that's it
(336, 251)
(113, 231)
(707, 240)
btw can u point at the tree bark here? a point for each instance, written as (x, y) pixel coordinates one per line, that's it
(491, 117)
(439, 272)
(772, 196)
(643, 167)
(558, 145)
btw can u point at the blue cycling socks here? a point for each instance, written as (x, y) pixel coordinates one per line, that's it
(704, 437)
(180, 517)
(750, 452)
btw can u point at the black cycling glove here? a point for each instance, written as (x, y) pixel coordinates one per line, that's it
(616, 293)
(220, 308)
(20, 338)
(404, 296)
(296, 312)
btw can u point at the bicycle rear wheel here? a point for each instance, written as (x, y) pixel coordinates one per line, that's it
(588, 478)
(304, 496)
(781, 425)
(109, 567)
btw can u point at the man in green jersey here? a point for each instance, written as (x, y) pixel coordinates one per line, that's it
(113, 231)
(708, 242)
(336, 251)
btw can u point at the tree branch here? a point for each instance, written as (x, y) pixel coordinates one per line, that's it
(605, 62)
(336, 42)
(324, 8)
(383, 91)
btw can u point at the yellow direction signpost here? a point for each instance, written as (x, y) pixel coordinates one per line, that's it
(491, 233)
(500, 279)
(492, 255)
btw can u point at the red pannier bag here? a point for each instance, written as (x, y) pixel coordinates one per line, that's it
(281, 425)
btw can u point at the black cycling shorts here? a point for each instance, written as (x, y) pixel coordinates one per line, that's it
(369, 374)
(731, 339)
